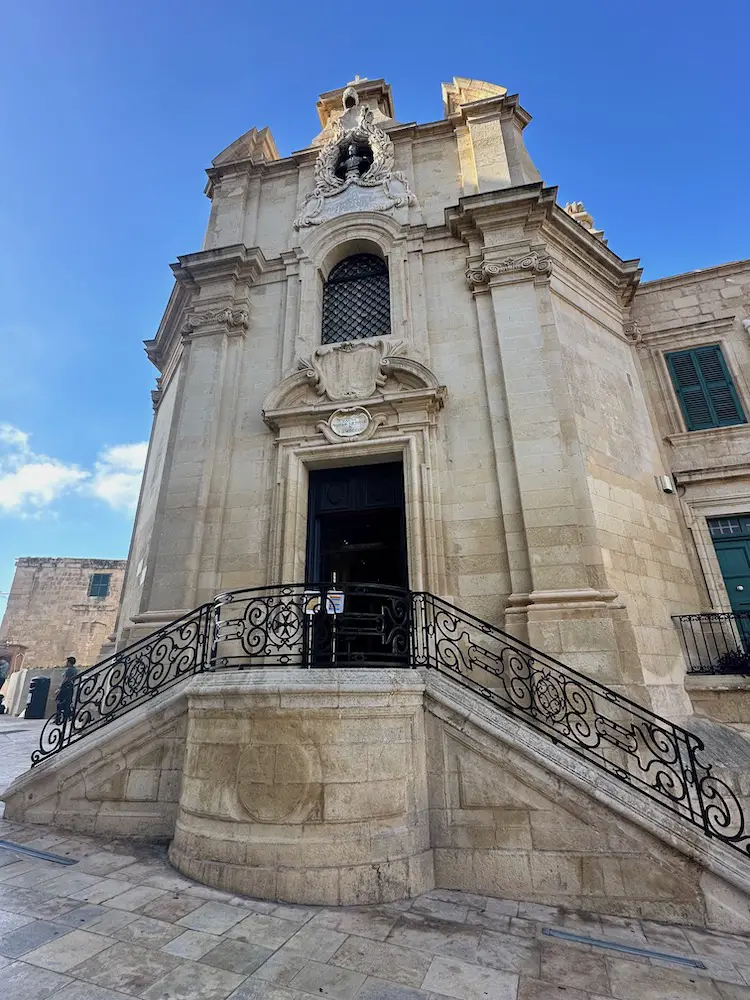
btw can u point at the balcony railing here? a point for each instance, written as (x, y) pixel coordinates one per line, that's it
(716, 642)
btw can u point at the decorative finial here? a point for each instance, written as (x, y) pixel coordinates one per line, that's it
(577, 211)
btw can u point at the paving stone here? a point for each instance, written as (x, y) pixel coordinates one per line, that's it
(440, 909)
(88, 991)
(255, 989)
(281, 967)
(237, 956)
(365, 922)
(20, 981)
(380, 989)
(41, 871)
(33, 935)
(469, 899)
(327, 981)
(171, 908)
(501, 908)
(21, 867)
(477, 918)
(67, 884)
(134, 899)
(63, 953)
(453, 978)
(111, 921)
(718, 945)
(621, 929)
(744, 971)
(634, 981)
(298, 914)
(439, 937)
(262, 929)
(192, 981)
(214, 918)
(535, 989)
(317, 943)
(128, 968)
(50, 907)
(729, 992)
(663, 937)
(103, 890)
(404, 965)
(81, 916)
(191, 944)
(575, 966)
(147, 930)
(509, 953)
(104, 863)
(9, 921)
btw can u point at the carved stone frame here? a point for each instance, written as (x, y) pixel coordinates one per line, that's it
(324, 246)
(403, 426)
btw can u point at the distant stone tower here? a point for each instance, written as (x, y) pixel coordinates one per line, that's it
(401, 320)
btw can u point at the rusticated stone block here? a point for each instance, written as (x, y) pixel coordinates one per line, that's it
(312, 787)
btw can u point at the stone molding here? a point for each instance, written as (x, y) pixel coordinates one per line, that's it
(533, 264)
(380, 189)
(232, 322)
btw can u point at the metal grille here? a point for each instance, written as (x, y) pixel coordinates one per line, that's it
(356, 300)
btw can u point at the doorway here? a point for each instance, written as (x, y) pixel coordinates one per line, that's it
(356, 526)
(356, 546)
(731, 538)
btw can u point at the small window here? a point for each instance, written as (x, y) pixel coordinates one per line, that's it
(704, 388)
(356, 300)
(99, 584)
(723, 527)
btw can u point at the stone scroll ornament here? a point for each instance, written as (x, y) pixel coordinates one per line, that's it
(379, 189)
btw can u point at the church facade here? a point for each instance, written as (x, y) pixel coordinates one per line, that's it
(564, 438)
(412, 413)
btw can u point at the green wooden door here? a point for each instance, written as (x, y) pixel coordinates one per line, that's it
(731, 537)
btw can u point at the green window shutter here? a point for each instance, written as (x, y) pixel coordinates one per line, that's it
(704, 388)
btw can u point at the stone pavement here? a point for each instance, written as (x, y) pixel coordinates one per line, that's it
(18, 737)
(121, 923)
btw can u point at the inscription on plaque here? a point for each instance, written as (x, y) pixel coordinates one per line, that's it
(349, 422)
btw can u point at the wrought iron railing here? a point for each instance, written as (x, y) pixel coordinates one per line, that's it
(300, 625)
(649, 754)
(106, 691)
(353, 625)
(716, 642)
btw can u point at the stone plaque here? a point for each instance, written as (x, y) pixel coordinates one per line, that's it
(350, 423)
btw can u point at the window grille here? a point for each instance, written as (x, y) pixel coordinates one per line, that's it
(356, 300)
(704, 388)
(99, 584)
(722, 527)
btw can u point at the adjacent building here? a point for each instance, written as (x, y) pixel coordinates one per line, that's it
(59, 608)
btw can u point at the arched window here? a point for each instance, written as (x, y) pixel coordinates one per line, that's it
(356, 300)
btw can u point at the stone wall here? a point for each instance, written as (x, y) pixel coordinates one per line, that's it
(49, 610)
(342, 787)
(710, 467)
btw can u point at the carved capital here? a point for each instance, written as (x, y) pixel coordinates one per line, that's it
(232, 320)
(534, 263)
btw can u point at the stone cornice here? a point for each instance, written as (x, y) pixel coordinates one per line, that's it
(693, 277)
(196, 271)
(237, 261)
(494, 223)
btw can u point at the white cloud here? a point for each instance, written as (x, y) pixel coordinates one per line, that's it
(117, 475)
(30, 482)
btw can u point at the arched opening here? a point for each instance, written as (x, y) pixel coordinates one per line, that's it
(356, 300)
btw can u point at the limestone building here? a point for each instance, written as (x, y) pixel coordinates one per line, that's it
(564, 439)
(59, 608)
(412, 413)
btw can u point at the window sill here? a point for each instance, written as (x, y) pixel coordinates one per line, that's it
(730, 431)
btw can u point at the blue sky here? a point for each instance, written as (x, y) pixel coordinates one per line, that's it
(109, 113)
